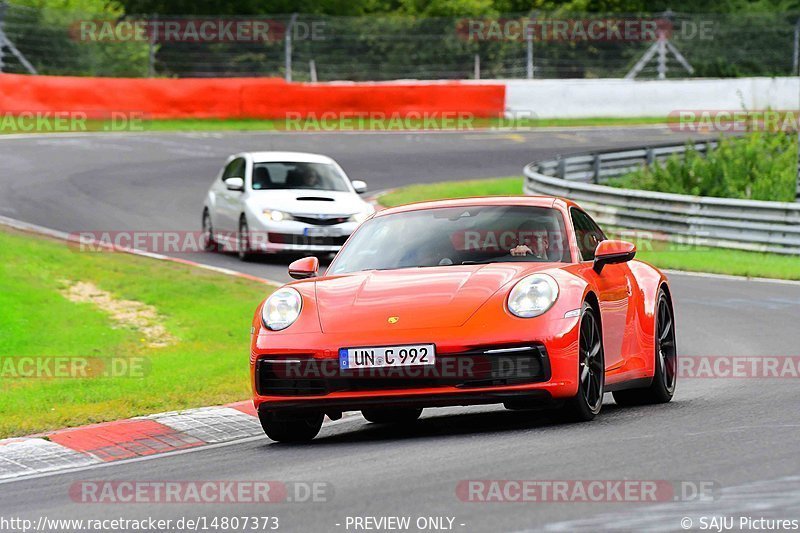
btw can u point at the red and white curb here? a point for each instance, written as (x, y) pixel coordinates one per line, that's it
(131, 439)
(127, 439)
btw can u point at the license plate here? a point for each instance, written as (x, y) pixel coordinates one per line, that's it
(389, 356)
(322, 232)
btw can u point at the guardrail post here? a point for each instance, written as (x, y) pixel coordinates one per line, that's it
(596, 169)
(3, 6)
(796, 55)
(650, 157)
(562, 168)
(151, 52)
(287, 52)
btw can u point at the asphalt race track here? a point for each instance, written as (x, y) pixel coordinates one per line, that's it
(741, 434)
(157, 182)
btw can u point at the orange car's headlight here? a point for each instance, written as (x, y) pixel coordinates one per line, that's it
(533, 295)
(281, 309)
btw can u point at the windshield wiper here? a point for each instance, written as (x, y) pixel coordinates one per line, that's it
(483, 262)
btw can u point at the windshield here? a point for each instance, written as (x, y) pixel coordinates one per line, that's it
(293, 175)
(455, 236)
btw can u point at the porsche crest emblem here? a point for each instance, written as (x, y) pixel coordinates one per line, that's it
(393, 319)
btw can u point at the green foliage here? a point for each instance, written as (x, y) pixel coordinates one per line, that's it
(46, 33)
(758, 166)
(414, 39)
(436, 7)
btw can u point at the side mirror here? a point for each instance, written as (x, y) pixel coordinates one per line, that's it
(359, 186)
(612, 252)
(234, 184)
(304, 268)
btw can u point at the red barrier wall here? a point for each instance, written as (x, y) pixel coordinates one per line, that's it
(242, 97)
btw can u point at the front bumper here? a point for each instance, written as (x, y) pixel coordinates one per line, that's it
(296, 236)
(301, 371)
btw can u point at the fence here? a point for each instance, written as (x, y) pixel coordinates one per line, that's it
(326, 48)
(703, 221)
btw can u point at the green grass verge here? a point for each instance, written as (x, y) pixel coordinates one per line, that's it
(695, 259)
(135, 124)
(209, 315)
(721, 261)
(452, 189)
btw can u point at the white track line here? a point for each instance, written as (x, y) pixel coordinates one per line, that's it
(728, 277)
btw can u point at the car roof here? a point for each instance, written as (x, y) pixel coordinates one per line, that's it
(299, 157)
(530, 201)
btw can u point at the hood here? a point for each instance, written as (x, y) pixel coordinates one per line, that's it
(435, 297)
(307, 202)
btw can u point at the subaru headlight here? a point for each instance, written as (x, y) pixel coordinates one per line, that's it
(533, 295)
(281, 309)
(277, 216)
(360, 217)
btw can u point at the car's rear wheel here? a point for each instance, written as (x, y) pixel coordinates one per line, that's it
(283, 428)
(588, 402)
(662, 389)
(243, 246)
(387, 415)
(209, 243)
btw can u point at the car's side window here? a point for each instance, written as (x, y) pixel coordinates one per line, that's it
(235, 169)
(587, 233)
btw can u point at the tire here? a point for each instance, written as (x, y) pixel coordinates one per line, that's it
(296, 429)
(387, 415)
(588, 402)
(209, 243)
(243, 248)
(662, 389)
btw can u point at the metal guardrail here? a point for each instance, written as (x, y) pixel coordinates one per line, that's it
(695, 220)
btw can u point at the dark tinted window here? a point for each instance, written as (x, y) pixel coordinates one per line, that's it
(294, 175)
(587, 233)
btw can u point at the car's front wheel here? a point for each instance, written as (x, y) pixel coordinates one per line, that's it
(243, 246)
(283, 428)
(662, 387)
(588, 402)
(209, 243)
(387, 415)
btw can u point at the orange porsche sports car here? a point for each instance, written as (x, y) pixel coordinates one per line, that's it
(514, 300)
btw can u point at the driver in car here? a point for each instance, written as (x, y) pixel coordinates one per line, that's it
(533, 243)
(307, 177)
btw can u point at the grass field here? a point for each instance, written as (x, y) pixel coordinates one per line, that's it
(206, 316)
(344, 123)
(662, 255)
